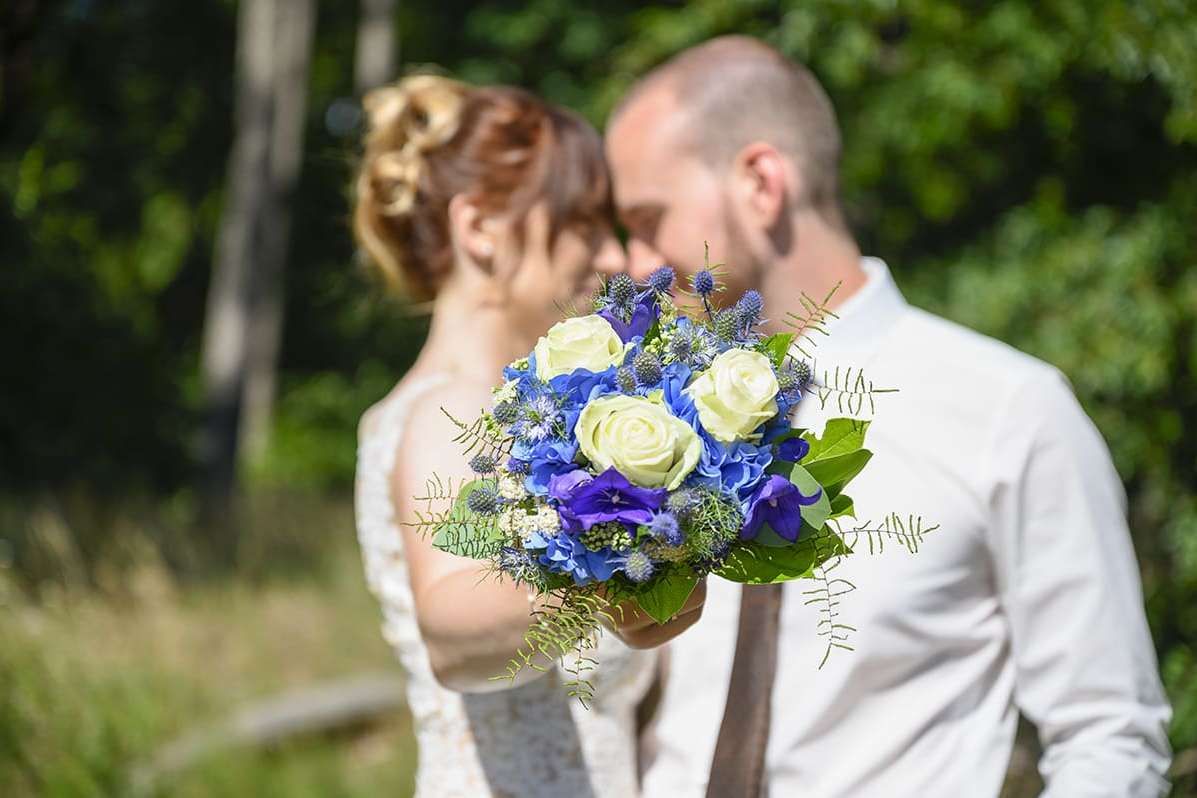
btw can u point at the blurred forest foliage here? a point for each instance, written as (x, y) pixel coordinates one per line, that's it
(1027, 167)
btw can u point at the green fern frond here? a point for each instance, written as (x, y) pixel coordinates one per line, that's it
(479, 437)
(826, 596)
(850, 390)
(812, 320)
(437, 500)
(565, 629)
(908, 533)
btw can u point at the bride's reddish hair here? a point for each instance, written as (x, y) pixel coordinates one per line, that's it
(429, 139)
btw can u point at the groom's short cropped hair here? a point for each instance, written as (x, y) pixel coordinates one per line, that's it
(735, 90)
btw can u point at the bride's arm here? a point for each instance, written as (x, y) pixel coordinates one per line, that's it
(472, 622)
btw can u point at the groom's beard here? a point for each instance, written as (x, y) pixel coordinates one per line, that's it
(743, 270)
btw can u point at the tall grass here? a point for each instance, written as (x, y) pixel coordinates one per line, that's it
(94, 679)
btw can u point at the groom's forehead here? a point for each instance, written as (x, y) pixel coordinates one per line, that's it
(644, 145)
(651, 121)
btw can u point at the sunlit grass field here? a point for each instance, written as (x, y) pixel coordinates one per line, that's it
(94, 683)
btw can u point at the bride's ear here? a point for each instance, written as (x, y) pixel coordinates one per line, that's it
(475, 234)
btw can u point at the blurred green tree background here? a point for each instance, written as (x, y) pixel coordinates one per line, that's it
(1027, 167)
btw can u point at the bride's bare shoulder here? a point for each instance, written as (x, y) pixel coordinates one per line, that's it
(464, 398)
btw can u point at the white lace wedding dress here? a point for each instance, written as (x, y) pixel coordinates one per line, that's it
(528, 741)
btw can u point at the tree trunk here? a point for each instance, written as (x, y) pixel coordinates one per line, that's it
(224, 356)
(377, 51)
(292, 56)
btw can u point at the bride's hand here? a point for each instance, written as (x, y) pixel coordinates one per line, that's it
(636, 629)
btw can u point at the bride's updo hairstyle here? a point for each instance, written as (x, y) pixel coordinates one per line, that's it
(430, 138)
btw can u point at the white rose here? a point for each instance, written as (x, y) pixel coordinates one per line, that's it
(583, 342)
(638, 435)
(735, 395)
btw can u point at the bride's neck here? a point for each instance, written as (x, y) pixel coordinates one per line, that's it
(471, 336)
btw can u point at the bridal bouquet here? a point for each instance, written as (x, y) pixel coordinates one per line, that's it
(642, 447)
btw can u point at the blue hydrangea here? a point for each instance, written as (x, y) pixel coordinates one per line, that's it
(734, 469)
(545, 460)
(564, 553)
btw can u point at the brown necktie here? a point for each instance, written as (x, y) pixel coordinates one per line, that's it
(738, 768)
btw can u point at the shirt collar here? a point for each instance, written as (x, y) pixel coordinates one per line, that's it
(859, 324)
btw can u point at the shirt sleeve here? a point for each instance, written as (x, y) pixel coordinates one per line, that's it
(1086, 672)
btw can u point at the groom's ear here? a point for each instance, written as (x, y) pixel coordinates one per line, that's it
(760, 181)
(474, 233)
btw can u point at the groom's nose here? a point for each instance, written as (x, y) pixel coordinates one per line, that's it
(610, 258)
(642, 259)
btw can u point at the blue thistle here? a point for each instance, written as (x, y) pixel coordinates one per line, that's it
(661, 280)
(694, 347)
(802, 372)
(683, 503)
(482, 464)
(625, 378)
(647, 368)
(664, 527)
(727, 325)
(519, 565)
(749, 308)
(702, 283)
(681, 343)
(792, 379)
(506, 412)
(639, 567)
(622, 290)
(484, 501)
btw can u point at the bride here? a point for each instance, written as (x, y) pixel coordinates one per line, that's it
(493, 205)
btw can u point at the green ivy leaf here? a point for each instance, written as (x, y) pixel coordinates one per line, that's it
(464, 532)
(815, 514)
(776, 346)
(842, 505)
(834, 473)
(752, 563)
(653, 333)
(841, 436)
(666, 595)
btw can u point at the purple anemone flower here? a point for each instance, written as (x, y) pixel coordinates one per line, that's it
(779, 503)
(608, 497)
(792, 449)
(644, 313)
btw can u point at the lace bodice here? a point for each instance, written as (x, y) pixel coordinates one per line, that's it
(528, 741)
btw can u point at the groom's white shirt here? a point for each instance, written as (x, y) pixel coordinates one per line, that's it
(1027, 596)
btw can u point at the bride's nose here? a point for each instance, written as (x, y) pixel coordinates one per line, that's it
(611, 259)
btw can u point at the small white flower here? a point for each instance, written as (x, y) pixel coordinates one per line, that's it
(509, 521)
(547, 519)
(507, 392)
(511, 488)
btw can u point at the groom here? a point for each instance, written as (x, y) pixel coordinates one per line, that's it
(1027, 596)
